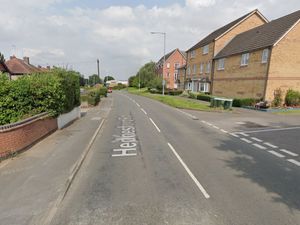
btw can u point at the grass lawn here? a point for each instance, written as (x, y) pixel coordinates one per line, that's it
(291, 112)
(174, 101)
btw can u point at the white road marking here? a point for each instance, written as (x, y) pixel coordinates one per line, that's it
(187, 114)
(260, 146)
(297, 163)
(270, 130)
(201, 188)
(144, 111)
(202, 121)
(240, 123)
(216, 127)
(96, 118)
(256, 139)
(270, 145)
(277, 154)
(138, 104)
(234, 135)
(245, 135)
(209, 124)
(155, 125)
(246, 140)
(289, 152)
(224, 131)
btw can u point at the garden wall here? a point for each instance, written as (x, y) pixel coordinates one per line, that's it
(18, 136)
(65, 119)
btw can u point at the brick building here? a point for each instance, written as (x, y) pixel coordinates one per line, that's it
(169, 70)
(200, 57)
(259, 61)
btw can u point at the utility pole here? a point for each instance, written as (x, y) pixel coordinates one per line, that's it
(98, 67)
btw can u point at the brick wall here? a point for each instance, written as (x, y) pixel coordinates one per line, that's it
(18, 138)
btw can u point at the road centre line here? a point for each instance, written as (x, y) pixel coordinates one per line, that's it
(245, 135)
(144, 111)
(277, 154)
(270, 145)
(256, 139)
(224, 131)
(216, 127)
(187, 114)
(270, 130)
(138, 104)
(201, 188)
(234, 135)
(260, 146)
(155, 125)
(289, 152)
(294, 162)
(246, 140)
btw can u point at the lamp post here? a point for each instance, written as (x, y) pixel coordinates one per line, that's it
(165, 37)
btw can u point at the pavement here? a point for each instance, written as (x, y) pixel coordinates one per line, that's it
(33, 182)
(153, 164)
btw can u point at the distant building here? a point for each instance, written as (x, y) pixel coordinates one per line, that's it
(169, 71)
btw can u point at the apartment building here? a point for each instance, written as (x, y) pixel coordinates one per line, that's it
(199, 68)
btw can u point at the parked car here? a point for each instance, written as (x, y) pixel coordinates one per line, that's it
(109, 90)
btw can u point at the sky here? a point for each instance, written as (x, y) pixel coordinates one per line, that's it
(75, 33)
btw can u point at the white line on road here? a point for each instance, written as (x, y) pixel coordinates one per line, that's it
(277, 154)
(155, 125)
(256, 139)
(138, 104)
(209, 124)
(201, 188)
(224, 131)
(187, 114)
(216, 127)
(144, 111)
(260, 146)
(289, 152)
(234, 135)
(269, 130)
(246, 140)
(294, 162)
(245, 135)
(270, 145)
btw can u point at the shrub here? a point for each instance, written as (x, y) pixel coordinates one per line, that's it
(103, 92)
(175, 92)
(292, 98)
(277, 98)
(204, 97)
(241, 102)
(119, 87)
(55, 92)
(193, 95)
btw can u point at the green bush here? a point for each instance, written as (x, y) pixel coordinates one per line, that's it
(193, 95)
(277, 98)
(292, 98)
(94, 97)
(119, 87)
(55, 92)
(103, 92)
(175, 92)
(241, 102)
(204, 97)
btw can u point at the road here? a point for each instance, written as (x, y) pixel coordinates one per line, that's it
(153, 164)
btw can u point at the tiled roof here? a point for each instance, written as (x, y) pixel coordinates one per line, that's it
(19, 66)
(3, 68)
(260, 37)
(217, 33)
(183, 53)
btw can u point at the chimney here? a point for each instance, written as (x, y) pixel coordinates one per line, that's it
(26, 59)
(12, 57)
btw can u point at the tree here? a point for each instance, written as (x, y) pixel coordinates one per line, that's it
(2, 59)
(94, 79)
(107, 78)
(146, 74)
(83, 81)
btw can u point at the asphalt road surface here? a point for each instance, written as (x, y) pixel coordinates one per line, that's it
(153, 164)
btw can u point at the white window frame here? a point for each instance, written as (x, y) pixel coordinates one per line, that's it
(168, 65)
(221, 64)
(205, 50)
(245, 59)
(204, 87)
(201, 68)
(208, 67)
(265, 55)
(176, 65)
(193, 54)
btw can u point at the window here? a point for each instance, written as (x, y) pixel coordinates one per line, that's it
(189, 70)
(194, 69)
(265, 56)
(208, 67)
(193, 54)
(168, 65)
(201, 68)
(168, 74)
(204, 87)
(245, 59)
(205, 49)
(176, 76)
(176, 65)
(221, 64)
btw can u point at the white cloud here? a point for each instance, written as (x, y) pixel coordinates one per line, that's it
(118, 35)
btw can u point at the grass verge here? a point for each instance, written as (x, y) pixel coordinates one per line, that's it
(174, 101)
(291, 112)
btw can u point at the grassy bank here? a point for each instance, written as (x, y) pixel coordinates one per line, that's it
(173, 101)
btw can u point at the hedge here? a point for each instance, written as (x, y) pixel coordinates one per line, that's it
(55, 92)
(167, 92)
(204, 97)
(241, 102)
(292, 98)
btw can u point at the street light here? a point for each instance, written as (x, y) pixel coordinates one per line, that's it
(165, 37)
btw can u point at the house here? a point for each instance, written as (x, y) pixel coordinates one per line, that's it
(200, 56)
(256, 63)
(3, 68)
(169, 70)
(181, 76)
(18, 67)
